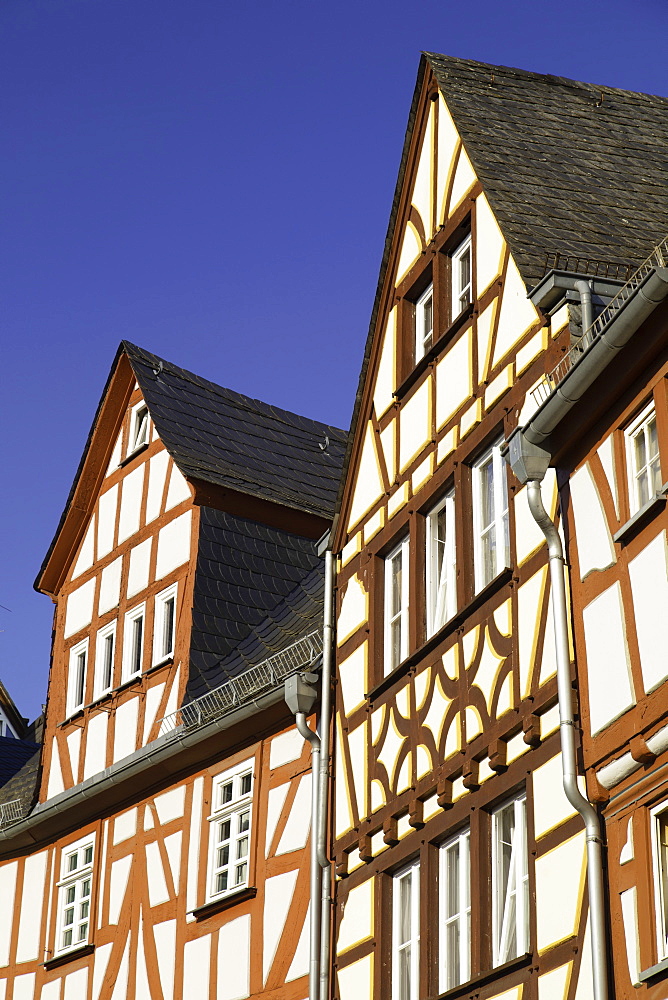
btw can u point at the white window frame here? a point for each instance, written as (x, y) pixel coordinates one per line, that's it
(99, 686)
(459, 290)
(75, 890)
(660, 872)
(129, 645)
(162, 600)
(637, 475)
(400, 551)
(500, 519)
(510, 895)
(440, 581)
(75, 699)
(135, 443)
(461, 918)
(424, 338)
(238, 811)
(411, 875)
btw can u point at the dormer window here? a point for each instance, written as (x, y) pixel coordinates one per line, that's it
(461, 277)
(138, 428)
(424, 322)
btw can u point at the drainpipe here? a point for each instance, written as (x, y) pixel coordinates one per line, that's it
(300, 695)
(567, 729)
(584, 288)
(323, 792)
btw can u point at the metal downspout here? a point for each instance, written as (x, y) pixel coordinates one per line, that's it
(584, 289)
(323, 796)
(578, 801)
(315, 878)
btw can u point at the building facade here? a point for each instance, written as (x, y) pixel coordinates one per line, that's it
(162, 851)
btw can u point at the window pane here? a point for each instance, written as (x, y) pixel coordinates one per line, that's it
(405, 973)
(108, 661)
(241, 873)
(137, 637)
(226, 793)
(453, 971)
(72, 862)
(244, 822)
(405, 900)
(246, 781)
(69, 895)
(168, 627)
(88, 856)
(221, 882)
(80, 679)
(67, 939)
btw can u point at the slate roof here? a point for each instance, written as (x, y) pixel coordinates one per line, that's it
(244, 570)
(13, 755)
(232, 440)
(577, 168)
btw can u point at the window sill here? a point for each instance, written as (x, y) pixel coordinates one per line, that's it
(218, 905)
(642, 517)
(499, 581)
(654, 972)
(133, 454)
(433, 352)
(483, 978)
(69, 956)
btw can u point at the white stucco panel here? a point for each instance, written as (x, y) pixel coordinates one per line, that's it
(55, 785)
(76, 985)
(157, 884)
(7, 891)
(595, 547)
(368, 481)
(173, 848)
(101, 960)
(357, 923)
(157, 471)
(356, 980)
(196, 963)
(552, 986)
(278, 892)
(464, 180)
(285, 747)
(32, 901)
(354, 609)
(131, 495)
(87, 550)
(110, 586)
(649, 585)
(171, 804)
(352, 678)
(358, 761)
(79, 610)
(608, 668)
(296, 830)
(125, 728)
(173, 544)
(630, 918)
(551, 807)
(153, 698)
(275, 802)
(140, 558)
(529, 598)
(454, 379)
(516, 315)
(422, 189)
(234, 959)
(607, 457)
(96, 744)
(24, 987)
(125, 826)
(415, 424)
(300, 962)
(559, 876)
(448, 141)
(192, 872)
(411, 248)
(490, 245)
(73, 749)
(178, 489)
(385, 374)
(106, 521)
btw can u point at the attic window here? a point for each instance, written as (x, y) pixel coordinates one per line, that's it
(138, 428)
(461, 277)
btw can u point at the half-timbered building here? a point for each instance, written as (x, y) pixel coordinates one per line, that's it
(468, 841)
(160, 851)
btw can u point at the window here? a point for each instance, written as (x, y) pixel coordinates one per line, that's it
(461, 277)
(455, 916)
(76, 688)
(491, 549)
(138, 428)
(424, 322)
(510, 882)
(440, 565)
(642, 451)
(104, 659)
(406, 933)
(659, 829)
(230, 830)
(164, 625)
(74, 896)
(133, 643)
(396, 606)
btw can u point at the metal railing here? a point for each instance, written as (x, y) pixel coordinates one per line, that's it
(550, 381)
(557, 261)
(11, 812)
(247, 686)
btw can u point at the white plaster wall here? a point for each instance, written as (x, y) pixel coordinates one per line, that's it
(73, 747)
(464, 180)
(192, 874)
(157, 886)
(234, 959)
(649, 584)
(125, 826)
(300, 963)
(415, 424)
(164, 935)
(24, 987)
(552, 985)
(32, 900)
(106, 521)
(96, 745)
(368, 484)
(278, 892)
(156, 484)
(115, 459)
(196, 962)
(125, 729)
(110, 586)
(516, 314)
(454, 379)
(630, 918)
(357, 922)
(559, 877)
(173, 545)
(79, 608)
(49, 991)
(285, 747)
(489, 245)
(86, 552)
(153, 696)
(7, 891)
(55, 785)
(170, 805)
(608, 668)
(422, 188)
(352, 678)
(76, 984)
(411, 248)
(178, 489)
(356, 980)
(448, 140)
(121, 983)
(385, 375)
(275, 803)
(606, 454)
(551, 807)
(140, 559)
(131, 494)
(296, 830)
(353, 613)
(595, 547)
(101, 960)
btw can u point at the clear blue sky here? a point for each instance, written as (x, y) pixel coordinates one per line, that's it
(212, 180)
